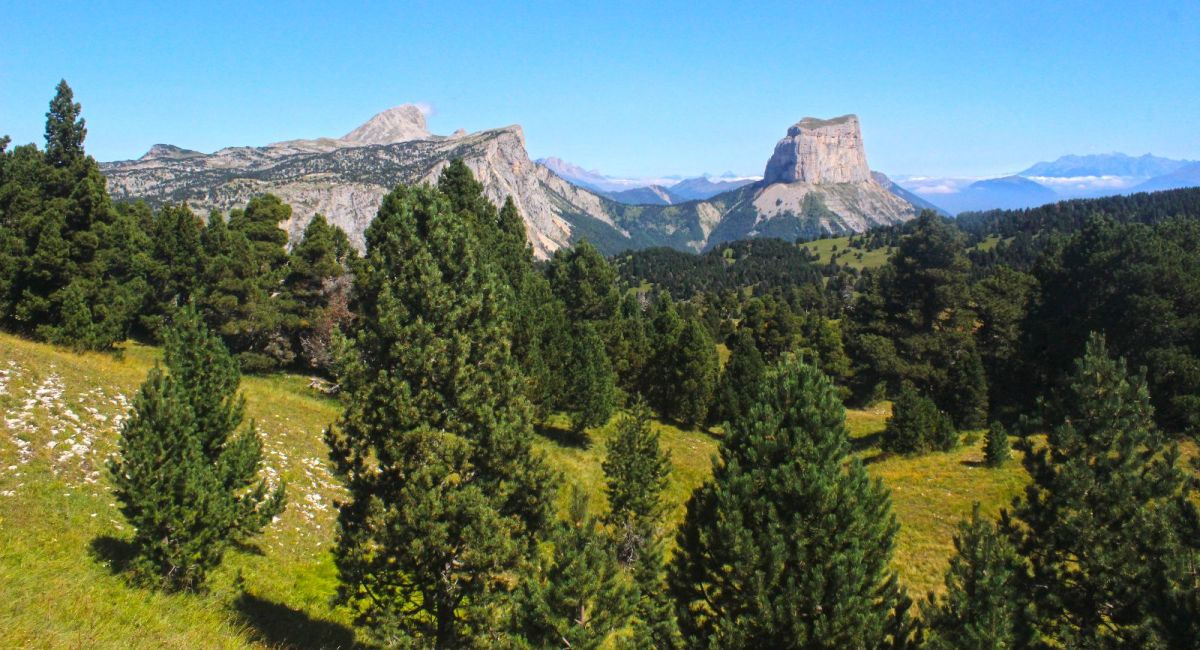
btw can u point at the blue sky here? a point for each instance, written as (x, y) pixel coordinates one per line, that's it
(963, 88)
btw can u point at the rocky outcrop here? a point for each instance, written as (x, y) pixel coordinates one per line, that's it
(820, 151)
(399, 124)
(346, 178)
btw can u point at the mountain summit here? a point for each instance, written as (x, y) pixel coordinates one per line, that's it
(399, 124)
(820, 151)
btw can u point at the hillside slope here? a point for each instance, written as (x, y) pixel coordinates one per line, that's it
(61, 534)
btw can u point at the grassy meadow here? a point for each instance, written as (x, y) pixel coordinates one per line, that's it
(62, 539)
(825, 249)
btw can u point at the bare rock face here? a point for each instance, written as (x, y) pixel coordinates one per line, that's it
(820, 151)
(399, 124)
(346, 178)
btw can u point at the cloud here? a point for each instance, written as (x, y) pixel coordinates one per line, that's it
(1088, 182)
(932, 185)
(427, 109)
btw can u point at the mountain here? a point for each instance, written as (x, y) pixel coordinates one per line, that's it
(1006, 193)
(1185, 176)
(1111, 164)
(917, 202)
(704, 187)
(346, 178)
(649, 195)
(688, 189)
(817, 182)
(664, 190)
(1068, 177)
(597, 182)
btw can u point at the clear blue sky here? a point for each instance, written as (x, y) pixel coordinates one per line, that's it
(963, 88)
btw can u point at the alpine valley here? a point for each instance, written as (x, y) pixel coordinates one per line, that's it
(816, 182)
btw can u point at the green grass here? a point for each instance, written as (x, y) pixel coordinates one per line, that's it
(60, 530)
(930, 494)
(823, 248)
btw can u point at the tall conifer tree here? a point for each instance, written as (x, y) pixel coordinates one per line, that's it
(447, 496)
(76, 263)
(738, 380)
(636, 470)
(591, 385)
(65, 129)
(187, 477)
(1109, 519)
(979, 608)
(580, 599)
(788, 545)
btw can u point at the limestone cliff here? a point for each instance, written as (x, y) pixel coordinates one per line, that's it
(820, 151)
(346, 178)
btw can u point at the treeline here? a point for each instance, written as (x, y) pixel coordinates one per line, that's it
(763, 263)
(79, 271)
(1067, 216)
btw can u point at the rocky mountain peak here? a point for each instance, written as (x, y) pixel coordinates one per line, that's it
(169, 151)
(818, 151)
(399, 124)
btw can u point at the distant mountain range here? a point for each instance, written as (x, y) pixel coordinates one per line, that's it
(816, 182)
(1068, 177)
(667, 190)
(1109, 164)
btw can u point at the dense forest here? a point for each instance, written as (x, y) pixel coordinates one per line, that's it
(448, 343)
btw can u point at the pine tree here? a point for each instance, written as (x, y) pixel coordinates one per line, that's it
(580, 598)
(541, 332)
(261, 223)
(447, 496)
(176, 267)
(917, 426)
(629, 346)
(65, 129)
(915, 323)
(245, 263)
(965, 395)
(1105, 523)
(591, 384)
(542, 345)
(788, 545)
(665, 328)
(76, 263)
(995, 446)
(186, 477)
(980, 606)
(317, 288)
(635, 473)
(636, 470)
(742, 373)
(585, 282)
(692, 374)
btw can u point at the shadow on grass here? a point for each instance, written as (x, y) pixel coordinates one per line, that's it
(280, 626)
(564, 437)
(973, 463)
(248, 548)
(113, 552)
(876, 457)
(866, 442)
